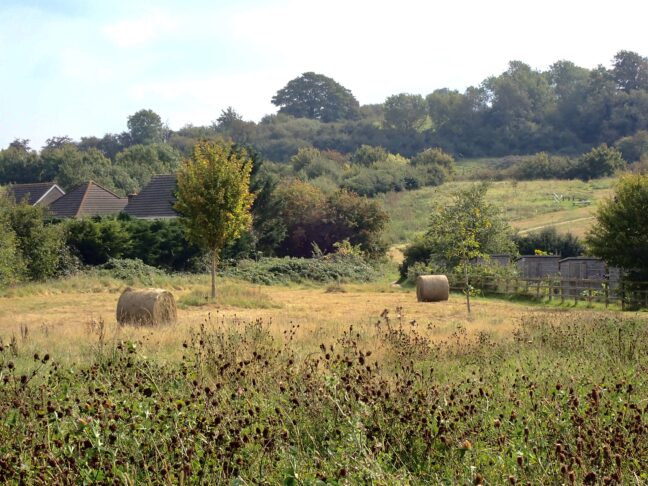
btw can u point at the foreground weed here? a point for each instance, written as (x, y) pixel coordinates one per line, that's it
(563, 401)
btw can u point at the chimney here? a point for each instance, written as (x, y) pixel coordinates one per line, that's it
(131, 196)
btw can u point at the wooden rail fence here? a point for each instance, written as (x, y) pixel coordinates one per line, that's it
(626, 294)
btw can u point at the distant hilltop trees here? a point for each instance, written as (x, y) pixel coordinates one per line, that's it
(564, 111)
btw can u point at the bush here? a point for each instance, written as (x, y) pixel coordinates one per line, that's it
(634, 147)
(327, 269)
(158, 243)
(601, 161)
(131, 270)
(550, 241)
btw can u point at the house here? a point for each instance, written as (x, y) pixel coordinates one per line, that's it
(538, 266)
(87, 200)
(579, 274)
(156, 199)
(36, 194)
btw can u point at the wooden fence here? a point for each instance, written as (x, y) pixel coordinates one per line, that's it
(625, 294)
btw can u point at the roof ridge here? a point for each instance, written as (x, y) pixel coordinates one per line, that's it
(48, 191)
(85, 194)
(105, 189)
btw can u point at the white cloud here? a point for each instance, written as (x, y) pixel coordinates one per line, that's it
(136, 32)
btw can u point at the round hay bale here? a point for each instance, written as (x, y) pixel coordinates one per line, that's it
(146, 307)
(432, 288)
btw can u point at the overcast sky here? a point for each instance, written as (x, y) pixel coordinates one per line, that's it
(80, 68)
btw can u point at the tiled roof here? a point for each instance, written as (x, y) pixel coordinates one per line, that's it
(33, 193)
(88, 199)
(156, 199)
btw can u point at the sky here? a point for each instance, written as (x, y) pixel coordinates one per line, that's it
(81, 67)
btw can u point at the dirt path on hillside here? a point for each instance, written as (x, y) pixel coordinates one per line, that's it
(536, 228)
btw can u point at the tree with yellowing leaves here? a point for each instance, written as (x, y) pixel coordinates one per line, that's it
(213, 197)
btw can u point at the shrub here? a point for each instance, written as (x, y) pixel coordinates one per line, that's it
(550, 241)
(130, 270)
(634, 147)
(328, 269)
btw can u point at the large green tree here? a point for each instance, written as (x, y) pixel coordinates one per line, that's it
(318, 97)
(630, 71)
(405, 111)
(620, 234)
(214, 199)
(145, 127)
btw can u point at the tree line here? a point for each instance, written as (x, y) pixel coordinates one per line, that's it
(564, 110)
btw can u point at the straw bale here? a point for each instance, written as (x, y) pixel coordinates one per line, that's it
(432, 288)
(146, 307)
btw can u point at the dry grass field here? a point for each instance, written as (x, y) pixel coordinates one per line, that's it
(352, 384)
(67, 319)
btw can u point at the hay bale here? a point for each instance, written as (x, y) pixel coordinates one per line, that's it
(432, 288)
(146, 307)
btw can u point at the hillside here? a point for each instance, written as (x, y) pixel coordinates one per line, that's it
(528, 205)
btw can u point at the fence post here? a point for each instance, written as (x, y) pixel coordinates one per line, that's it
(550, 290)
(562, 293)
(589, 297)
(622, 295)
(606, 288)
(506, 288)
(538, 290)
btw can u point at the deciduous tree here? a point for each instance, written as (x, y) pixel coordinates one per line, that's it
(467, 228)
(146, 127)
(316, 96)
(620, 234)
(214, 197)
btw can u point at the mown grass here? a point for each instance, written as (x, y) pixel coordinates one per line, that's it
(559, 398)
(237, 294)
(526, 204)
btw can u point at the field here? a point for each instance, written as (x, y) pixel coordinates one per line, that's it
(528, 205)
(340, 384)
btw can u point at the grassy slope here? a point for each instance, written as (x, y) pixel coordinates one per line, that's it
(528, 205)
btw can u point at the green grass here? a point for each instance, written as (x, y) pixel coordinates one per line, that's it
(526, 204)
(235, 294)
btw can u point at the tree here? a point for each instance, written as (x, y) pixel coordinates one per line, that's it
(630, 71)
(96, 240)
(231, 123)
(40, 245)
(467, 228)
(620, 234)
(634, 147)
(58, 142)
(19, 164)
(318, 97)
(79, 167)
(214, 199)
(599, 162)
(405, 111)
(141, 162)
(11, 264)
(551, 242)
(146, 127)
(368, 155)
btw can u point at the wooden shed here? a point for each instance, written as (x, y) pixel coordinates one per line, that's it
(586, 274)
(538, 266)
